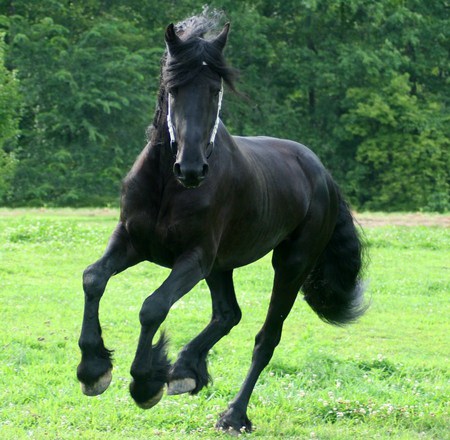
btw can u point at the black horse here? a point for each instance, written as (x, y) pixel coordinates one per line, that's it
(203, 202)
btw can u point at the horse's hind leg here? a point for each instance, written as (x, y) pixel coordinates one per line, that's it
(189, 373)
(94, 370)
(291, 264)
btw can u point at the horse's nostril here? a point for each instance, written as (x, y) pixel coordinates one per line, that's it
(190, 175)
(177, 169)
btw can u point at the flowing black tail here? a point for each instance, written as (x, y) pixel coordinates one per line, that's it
(334, 289)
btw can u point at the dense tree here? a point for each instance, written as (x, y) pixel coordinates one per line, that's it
(402, 150)
(9, 121)
(86, 101)
(335, 67)
(363, 83)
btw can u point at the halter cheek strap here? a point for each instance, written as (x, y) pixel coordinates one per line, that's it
(170, 126)
(216, 124)
(173, 142)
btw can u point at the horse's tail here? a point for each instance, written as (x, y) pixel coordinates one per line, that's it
(334, 289)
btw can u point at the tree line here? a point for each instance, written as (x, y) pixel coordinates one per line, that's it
(363, 83)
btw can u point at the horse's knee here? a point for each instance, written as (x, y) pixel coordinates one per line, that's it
(153, 311)
(94, 282)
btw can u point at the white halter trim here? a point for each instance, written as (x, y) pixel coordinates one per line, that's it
(169, 122)
(212, 138)
(216, 124)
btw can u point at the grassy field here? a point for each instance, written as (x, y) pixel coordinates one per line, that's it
(385, 377)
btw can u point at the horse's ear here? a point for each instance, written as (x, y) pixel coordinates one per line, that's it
(172, 39)
(221, 39)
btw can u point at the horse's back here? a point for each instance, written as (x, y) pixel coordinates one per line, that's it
(280, 152)
(286, 165)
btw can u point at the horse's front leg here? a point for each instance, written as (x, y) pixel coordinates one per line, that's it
(94, 370)
(150, 367)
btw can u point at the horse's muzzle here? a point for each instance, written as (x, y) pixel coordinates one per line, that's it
(190, 176)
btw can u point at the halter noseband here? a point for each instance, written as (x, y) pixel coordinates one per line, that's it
(170, 126)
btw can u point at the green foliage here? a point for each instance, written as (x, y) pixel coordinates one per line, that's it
(365, 84)
(402, 148)
(9, 121)
(86, 106)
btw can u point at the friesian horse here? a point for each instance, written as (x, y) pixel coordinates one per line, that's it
(203, 202)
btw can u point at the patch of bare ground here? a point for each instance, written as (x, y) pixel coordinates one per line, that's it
(400, 219)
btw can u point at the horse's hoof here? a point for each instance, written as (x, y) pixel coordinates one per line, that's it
(98, 387)
(231, 431)
(181, 386)
(234, 423)
(151, 402)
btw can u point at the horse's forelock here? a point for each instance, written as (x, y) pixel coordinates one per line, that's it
(200, 26)
(193, 50)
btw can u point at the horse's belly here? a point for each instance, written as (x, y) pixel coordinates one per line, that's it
(231, 261)
(242, 248)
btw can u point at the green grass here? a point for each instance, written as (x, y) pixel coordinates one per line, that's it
(385, 377)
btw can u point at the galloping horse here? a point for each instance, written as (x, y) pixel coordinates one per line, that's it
(202, 202)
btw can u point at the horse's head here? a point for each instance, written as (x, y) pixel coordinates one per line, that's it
(194, 75)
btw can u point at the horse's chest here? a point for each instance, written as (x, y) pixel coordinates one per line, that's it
(147, 239)
(160, 238)
(178, 232)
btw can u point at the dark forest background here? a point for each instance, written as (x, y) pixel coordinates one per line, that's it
(363, 83)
